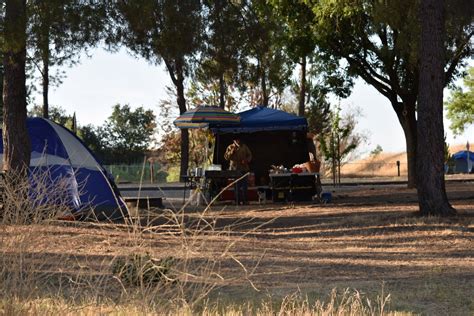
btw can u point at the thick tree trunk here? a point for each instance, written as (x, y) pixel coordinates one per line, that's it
(16, 143)
(222, 91)
(1, 86)
(182, 108)
(432, 196)
(406, 116)
(176, 71)
(302, 97)
(407, 119)
(46, 83)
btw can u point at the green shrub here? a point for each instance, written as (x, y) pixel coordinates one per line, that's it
(173, 174)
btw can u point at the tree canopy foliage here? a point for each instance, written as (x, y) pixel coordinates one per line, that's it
(460, 105)
(56, 114)
(165, 30)
(58, 31)
(222, 59)
(378, 41)
(124, 137)
(250, 51)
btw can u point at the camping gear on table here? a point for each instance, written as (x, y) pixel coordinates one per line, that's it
(274, 137)
(198, 172)
(288, 187)
(59, 158)
(313, 166)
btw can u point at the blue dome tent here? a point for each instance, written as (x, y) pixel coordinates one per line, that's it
(66, 160)
(464, 161)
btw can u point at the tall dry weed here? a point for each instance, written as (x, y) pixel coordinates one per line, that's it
(199, 256)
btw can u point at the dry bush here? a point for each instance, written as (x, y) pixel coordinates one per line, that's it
(31, 207)
(37, 198)
(31, 273)
(344, 303)
(193, 250)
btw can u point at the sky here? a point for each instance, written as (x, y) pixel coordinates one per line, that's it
(92, 87)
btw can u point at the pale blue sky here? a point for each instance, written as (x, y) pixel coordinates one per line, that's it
(92, 87)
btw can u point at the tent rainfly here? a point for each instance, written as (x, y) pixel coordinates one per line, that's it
(65, 160)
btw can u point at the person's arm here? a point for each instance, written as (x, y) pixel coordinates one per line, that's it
(230, 151)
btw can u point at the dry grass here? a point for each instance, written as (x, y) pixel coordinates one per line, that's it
(383, 164)
(252, 260)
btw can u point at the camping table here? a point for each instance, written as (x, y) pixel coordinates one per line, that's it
(216, 180)
(295, 186)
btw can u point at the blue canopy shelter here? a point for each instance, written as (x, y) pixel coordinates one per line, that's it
(464, 161)
(275, 137)
(60, 158)
(261, 118)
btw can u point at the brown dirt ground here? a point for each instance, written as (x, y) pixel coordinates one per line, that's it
(368, 238)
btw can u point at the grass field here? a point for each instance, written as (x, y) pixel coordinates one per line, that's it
(259, 259)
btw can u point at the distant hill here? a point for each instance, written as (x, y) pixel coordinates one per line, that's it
(384, 164)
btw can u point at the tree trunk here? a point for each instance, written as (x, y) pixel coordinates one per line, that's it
(302, 88)
(263, 85)
(45, 74)
(182, 108)
(221, 91)
(1, 85)
(16, 143)
(264, 90)
(406, 116)
(432, 196)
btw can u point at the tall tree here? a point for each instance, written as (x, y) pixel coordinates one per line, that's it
(378, 40)
(432, 196)
(16, 142)
(222, 56)
(2, 72)
(299, 39)
(163, 30)
(268, 65)
(2, 47)
(58, 31)
(460, 105)
(318, 113)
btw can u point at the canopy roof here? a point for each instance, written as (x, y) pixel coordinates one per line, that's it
(206, 116)
(265, 119)
(463, 155)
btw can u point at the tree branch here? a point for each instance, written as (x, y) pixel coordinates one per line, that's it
(367, 76)
(171, 71)
(455, 61)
